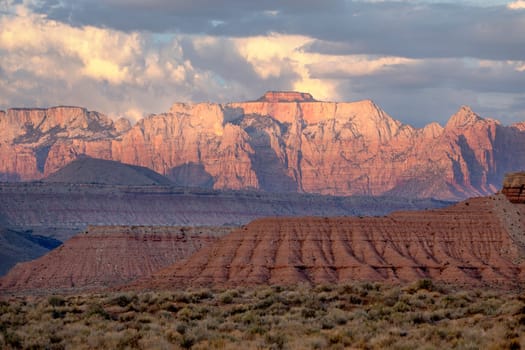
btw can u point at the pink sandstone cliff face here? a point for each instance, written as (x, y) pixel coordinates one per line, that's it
(108, 256)
(281, 142)
(476, 242)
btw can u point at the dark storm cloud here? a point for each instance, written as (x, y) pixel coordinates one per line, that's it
(426, 31)
(343, 27)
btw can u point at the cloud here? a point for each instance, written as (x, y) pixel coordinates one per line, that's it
(100, 54)
(46, 62)
(412, 29)
(424, 90)
(516, 5)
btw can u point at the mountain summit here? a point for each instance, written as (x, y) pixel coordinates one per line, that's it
(286, 96)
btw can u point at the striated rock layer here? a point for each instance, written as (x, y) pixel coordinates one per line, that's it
(514, 187)
(479, 241)
(61, 210)
(108, 256)
(285, 141)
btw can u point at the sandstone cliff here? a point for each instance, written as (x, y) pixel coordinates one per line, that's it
(477, 242)
(281, 142)
(108, 256)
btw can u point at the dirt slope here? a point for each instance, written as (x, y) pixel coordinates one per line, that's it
(16, 246)
(86, 170)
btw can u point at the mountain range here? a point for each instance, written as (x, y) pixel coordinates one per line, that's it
(282, 142)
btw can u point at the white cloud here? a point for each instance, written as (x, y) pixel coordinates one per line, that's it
(516, 5)
(102, 54)
(45, 62)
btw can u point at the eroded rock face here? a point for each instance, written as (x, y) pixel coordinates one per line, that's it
(285, 141)
(479, 241)
(514, 187)
(108, 256)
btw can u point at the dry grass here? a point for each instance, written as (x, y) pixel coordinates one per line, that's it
(360, 316)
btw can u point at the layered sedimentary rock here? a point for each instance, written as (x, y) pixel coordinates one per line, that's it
(514, 187)
(479, 241)
(108, 256)
(60, 210)
(281, 142)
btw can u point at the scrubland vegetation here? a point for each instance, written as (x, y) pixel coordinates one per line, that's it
(360, 316)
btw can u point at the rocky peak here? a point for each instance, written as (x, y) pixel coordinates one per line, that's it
(122, 125)
(31, 125)
(519, 126)
(432, 130)
(286, 96)
(464, 117)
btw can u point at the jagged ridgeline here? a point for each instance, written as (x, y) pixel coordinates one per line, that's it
(282, 142)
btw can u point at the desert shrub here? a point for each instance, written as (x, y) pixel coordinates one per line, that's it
(418, 318)
(308, 312)
(228, 296)
(401, 306)
(201, 295)
(182, 297)
(56, 301)
(98, 310)
(187, 341)
(266, 302)
(13, 340)
(338, 316)
(391, 297)
(121, 300)
(58, 313)
(355, 300)
(318, 343)
(130, 339)
(426, 284)
(275, 341)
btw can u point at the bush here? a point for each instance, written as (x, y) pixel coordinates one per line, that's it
(275, 340)
(56, 301)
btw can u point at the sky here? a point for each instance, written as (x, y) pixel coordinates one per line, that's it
(419, 60)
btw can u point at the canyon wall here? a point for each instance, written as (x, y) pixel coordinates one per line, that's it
(281, 142)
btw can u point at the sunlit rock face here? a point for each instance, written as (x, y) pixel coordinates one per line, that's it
(284, 141)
